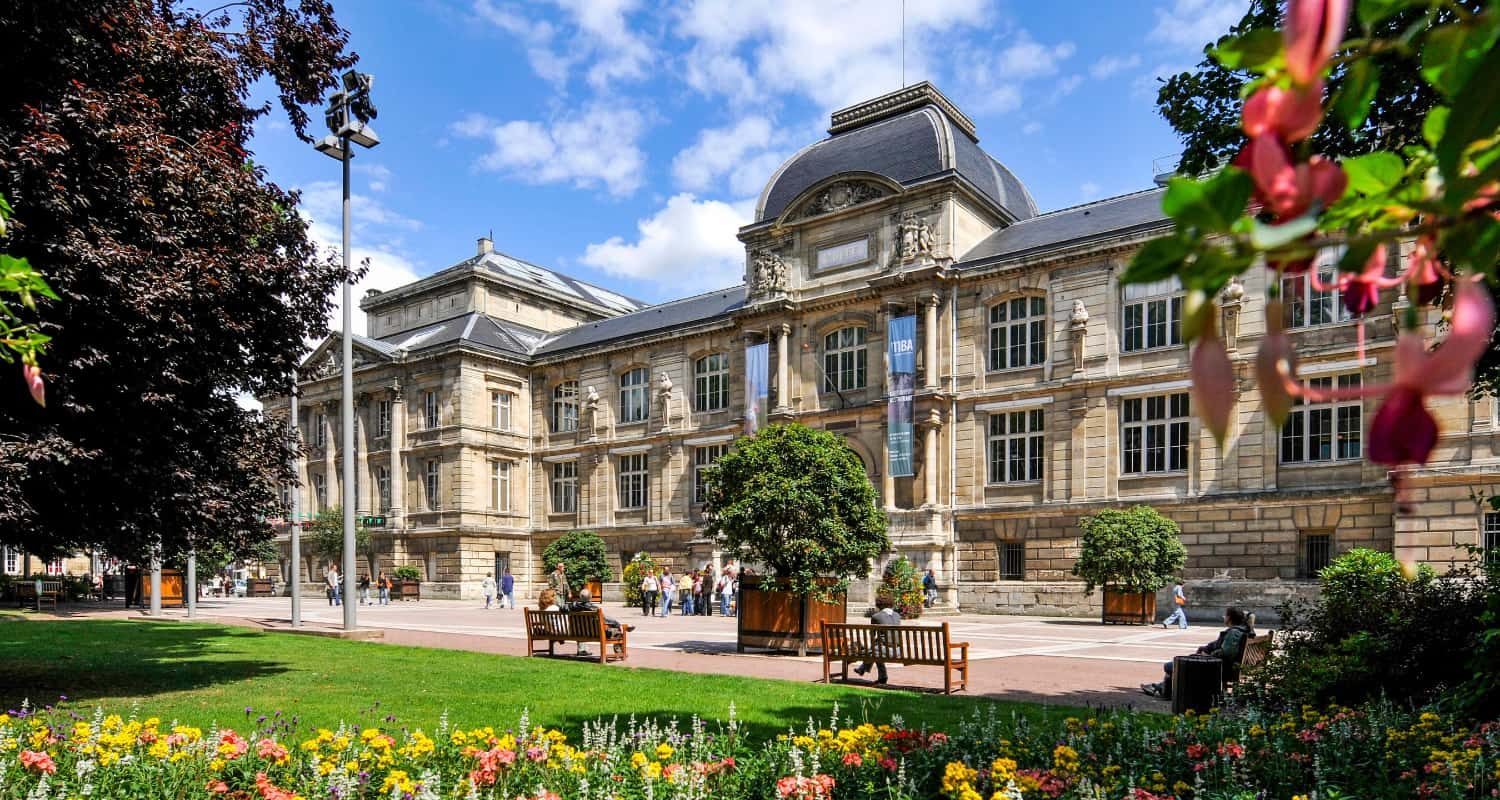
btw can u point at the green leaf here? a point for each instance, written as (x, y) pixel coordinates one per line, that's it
(1158, 259)
(1270, 237)
(1352, 105)
(1440, 56)
(1435, 124)
(1480, 117)
(1355, 256)
(1210, 205)
(1252, 52)
(1374, 173)
(1372, 12)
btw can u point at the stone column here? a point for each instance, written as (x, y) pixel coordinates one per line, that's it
(783, 390)
(930, 459)
(398, 469)
(887, 479)
(364, 504)
(930, 341)
(330, 463)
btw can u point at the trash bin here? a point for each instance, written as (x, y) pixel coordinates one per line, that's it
(1197, 682)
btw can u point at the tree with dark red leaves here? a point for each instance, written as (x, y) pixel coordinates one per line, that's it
(184, 276)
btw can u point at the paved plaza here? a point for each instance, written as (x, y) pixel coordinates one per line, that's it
(1065, 661)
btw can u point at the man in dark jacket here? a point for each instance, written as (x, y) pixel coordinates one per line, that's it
(612, 626)
(1229, 647)
(884, 615)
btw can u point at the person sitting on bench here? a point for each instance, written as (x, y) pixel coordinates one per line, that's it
(884, 615)
(612, 626)
(1229, 647)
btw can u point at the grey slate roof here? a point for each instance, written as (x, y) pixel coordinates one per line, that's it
(472, 328)
(674, 314)
(919, 144)
(1100, 218)
(527, 272)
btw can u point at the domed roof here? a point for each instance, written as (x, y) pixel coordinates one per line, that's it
(907, 137)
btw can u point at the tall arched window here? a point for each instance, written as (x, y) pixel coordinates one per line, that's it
(1018, 333)
(844, 359)
(633, 395)
(565, 407)
(711, 382)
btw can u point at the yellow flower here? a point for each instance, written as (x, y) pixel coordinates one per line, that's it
(638, 760)
(664, 751)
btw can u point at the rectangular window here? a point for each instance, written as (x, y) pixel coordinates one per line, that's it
(844, 360)
(1491, 540)
(430, 485)
(383, 418)
(1012, 561)
(55, 567)
(1317, 549)
(634, 402)
(500, 410)
(711, 382)
(1154, 434)
(1152, 315)
(1323, 431)
(703, 458)
(320, 430)
(1018, 333)
(565, 407)
(1016, 446)
(12, 561)
(429, 410)
(320, 493)
(383, 488)
(565, 487)
(633, 481)
(1303, 304)
(500, 485)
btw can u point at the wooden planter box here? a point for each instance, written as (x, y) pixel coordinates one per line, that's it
(596, 590)
(1129, 608)
(406, 589)
(261, 587)
(171, 588)
(771, 618)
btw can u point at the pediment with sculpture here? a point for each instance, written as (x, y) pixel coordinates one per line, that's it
(838, 196)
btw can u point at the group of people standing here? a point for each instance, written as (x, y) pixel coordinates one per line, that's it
(333, 583)
(504, 590)
(693, 592)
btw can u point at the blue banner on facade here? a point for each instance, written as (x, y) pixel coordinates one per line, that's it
(901, 358)
(757, 386)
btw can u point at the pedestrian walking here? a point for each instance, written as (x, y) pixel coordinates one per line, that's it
(508, 591)
(558, 582)
(364, 588)
(709, 578)
(1179, 607)
(331, 581)
(929, 589)
(488, 587)
(649, 587)
(384, 582)
(667, 585)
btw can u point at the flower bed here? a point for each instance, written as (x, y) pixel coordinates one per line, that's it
(1371, 752)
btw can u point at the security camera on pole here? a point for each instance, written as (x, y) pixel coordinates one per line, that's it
(348, 115)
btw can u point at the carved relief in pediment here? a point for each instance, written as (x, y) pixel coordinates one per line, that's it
(839, 196)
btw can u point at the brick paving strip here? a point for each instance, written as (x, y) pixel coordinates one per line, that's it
(1069, 662)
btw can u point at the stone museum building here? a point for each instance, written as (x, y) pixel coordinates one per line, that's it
(500, 404)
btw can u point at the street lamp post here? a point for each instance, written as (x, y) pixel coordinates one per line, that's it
(295, 528)
(348, 115)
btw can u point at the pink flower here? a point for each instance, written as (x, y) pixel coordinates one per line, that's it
(1286, 189)
(38, 760)
(268, 790)
(1361, 290)
(1424, 270)
(1290, 115)
(853, 760)
(1276, 366)
(1312, 31)
(33, 377)
(1213, 381)
(232, 745)
(217, 787)
(270, 750)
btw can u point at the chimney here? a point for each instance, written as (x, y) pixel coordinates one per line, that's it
(486, 246)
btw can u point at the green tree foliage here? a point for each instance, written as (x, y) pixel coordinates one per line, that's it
(798, 501)
(1133, 550)
(185, 276)
(633, 574)
(584, 554)
(325, 536)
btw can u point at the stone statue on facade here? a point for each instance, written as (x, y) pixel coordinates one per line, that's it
(1077, 333)
(1080, 313)
(590, 410)
(916, 237)
(664, 396)
(767, 272)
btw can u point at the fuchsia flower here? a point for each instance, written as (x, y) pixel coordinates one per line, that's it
(1425, 270)
(1290, 115)
(32, 374)
(1312, 30)
(1288, 189)
(1276, 365)
(1213, 381)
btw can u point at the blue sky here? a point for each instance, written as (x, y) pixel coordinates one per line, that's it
(624, 142)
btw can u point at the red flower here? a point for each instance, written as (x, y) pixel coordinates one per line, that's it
(38, 760)
(1290, 115)
(1287, 190)
(1196, 751)
(1312, 31)
(217, 787)
(888, 763)
(853, 760)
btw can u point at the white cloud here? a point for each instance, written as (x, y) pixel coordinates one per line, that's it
(745, 153)
(1194, 24)
(593, 32)
(1031, 128)
(596, 146)
(1090, 190)
(1068, 84)
(387, 269)
(1109, 65)
(378, 176)
(835, 52)
(688, 245)
(1029, 59)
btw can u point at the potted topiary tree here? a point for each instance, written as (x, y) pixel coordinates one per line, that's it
(632, 574)
(797, 501)
(406, 582)
(1131, 553)
(585, 557)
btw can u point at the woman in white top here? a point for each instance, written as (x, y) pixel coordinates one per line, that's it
(649, 587)
(488, 586)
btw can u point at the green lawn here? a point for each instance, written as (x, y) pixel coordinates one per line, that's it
(207, 673)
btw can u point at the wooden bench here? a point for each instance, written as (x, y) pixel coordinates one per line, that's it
(921, 645)
(26, 593)
(551, 627)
